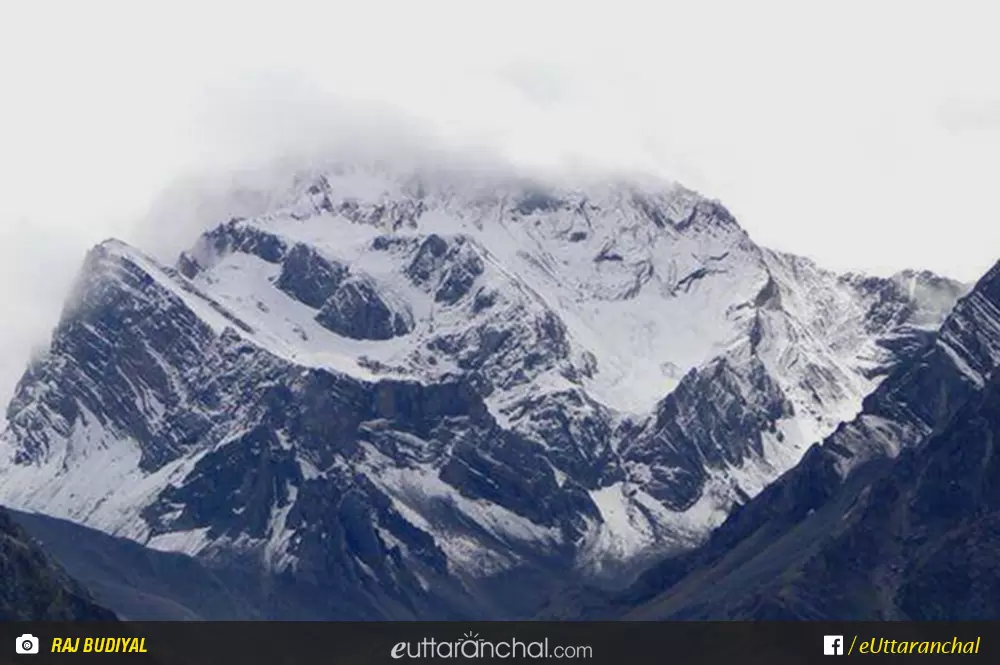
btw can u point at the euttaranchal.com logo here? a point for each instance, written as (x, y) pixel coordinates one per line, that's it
(470, 645)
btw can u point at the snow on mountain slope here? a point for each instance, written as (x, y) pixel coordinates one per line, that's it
(408, 379)
(888, 518)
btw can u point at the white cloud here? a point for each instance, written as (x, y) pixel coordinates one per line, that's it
(863, 134)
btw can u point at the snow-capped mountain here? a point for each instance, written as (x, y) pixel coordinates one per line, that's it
(428, 394)
(893, 517)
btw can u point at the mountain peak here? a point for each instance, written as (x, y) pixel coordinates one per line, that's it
(442, 378)
(111, 260)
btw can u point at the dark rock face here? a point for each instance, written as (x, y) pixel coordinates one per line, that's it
(538, 200)
(708, 214)
(187, 265)
(345, 528)
(357, 310)
(650, 210)
(238, 237)
(505, 354)
(850, 532)
(239, 483)
(715, 416)
(110, 351)
(428, 259)
(233, 236)
(483, 300)
(459, 279)
(309, 277)
(33, 588)
(394, 214)
(513, 473)
(448, 268)
(579, 445)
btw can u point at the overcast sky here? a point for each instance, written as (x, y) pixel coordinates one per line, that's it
(864, 134)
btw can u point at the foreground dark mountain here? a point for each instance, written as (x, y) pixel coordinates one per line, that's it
(144, 584)
(32, 587)
(894, 516)
(410, 396)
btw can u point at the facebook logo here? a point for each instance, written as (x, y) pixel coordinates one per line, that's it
(833, 645)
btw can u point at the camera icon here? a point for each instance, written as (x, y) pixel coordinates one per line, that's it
(27, 643)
